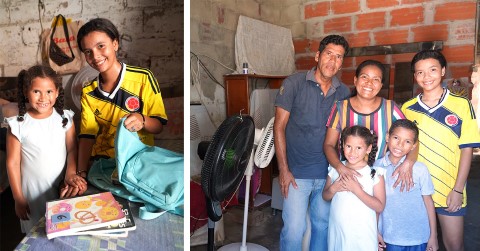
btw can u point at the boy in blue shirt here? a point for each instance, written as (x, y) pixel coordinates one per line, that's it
(408, 221)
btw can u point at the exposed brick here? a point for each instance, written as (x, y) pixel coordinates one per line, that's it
(464, 32)
(370, 20)
(347, 77)
(314, 44)
(455, 11)
(305, 63)
(358, 39)
(372, 4)
(316, 9)
(391, 36)
(460, 71)
(345, 6)
(414, 1)
(407, 16)
(301, 45)
(430, 32)
(464, 53)
(347, 62)
(341, 24)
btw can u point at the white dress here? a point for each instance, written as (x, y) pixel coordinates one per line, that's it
(43, 152)
(352, 224)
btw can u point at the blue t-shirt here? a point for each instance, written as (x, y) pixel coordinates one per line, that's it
(309, 107)
(404, 221)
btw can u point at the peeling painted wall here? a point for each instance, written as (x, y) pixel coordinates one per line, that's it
(151, 33)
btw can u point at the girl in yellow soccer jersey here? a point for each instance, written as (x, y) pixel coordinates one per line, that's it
(119, 91)
(448, 134)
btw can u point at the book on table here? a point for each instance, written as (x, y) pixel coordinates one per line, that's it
(115, 230)
(84, 213)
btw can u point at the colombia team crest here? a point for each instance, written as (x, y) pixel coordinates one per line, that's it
(451, 120)
(132, 104)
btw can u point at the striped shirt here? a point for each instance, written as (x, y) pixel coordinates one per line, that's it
(343, 115)
(444, 130)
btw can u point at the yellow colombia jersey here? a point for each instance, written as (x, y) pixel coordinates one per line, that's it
(137, 91)
(444, 130)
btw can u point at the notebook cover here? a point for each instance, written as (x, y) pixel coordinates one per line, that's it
(67, 216)
(116, 229)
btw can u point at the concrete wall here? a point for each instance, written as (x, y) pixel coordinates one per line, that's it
(362, 22)
(151, 33)
(213, 25)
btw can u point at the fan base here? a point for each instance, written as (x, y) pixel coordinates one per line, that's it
(238, 246)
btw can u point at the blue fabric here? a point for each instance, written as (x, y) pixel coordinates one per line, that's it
(309, 108)
(151, 173)
(400, 226)
(307, 198)
(391, 247)
(100, 174)
(442, 211)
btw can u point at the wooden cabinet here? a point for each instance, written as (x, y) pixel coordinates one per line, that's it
(238, 88)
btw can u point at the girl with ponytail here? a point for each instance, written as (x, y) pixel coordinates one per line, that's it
(355, 200)
(41, 142)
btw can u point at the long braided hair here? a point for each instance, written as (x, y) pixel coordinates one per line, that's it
(25, 78)
(370, 139)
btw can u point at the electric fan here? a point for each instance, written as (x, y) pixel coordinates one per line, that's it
(262, 157)
(263, 139)
(224, 165)
(83, 77)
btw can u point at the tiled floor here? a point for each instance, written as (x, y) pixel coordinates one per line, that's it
(266, 232)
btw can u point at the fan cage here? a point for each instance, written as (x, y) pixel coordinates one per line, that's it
(266, 149)
(235, 133)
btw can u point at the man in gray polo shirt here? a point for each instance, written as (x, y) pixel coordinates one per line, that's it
(303, 104)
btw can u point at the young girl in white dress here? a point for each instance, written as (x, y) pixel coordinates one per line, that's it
(41, 141)
(356, 201)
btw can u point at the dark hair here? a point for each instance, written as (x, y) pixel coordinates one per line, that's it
(25, 78)
(407, 124)
(369, 137)
(365, 64)
(370, 62)
(333, 39)
(426, 54)
(101, 25)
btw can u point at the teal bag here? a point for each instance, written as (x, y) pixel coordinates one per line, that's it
(149, 174)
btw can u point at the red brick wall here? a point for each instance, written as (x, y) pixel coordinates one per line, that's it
(382, 22)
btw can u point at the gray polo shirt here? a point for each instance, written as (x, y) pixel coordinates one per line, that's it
(309, 108)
